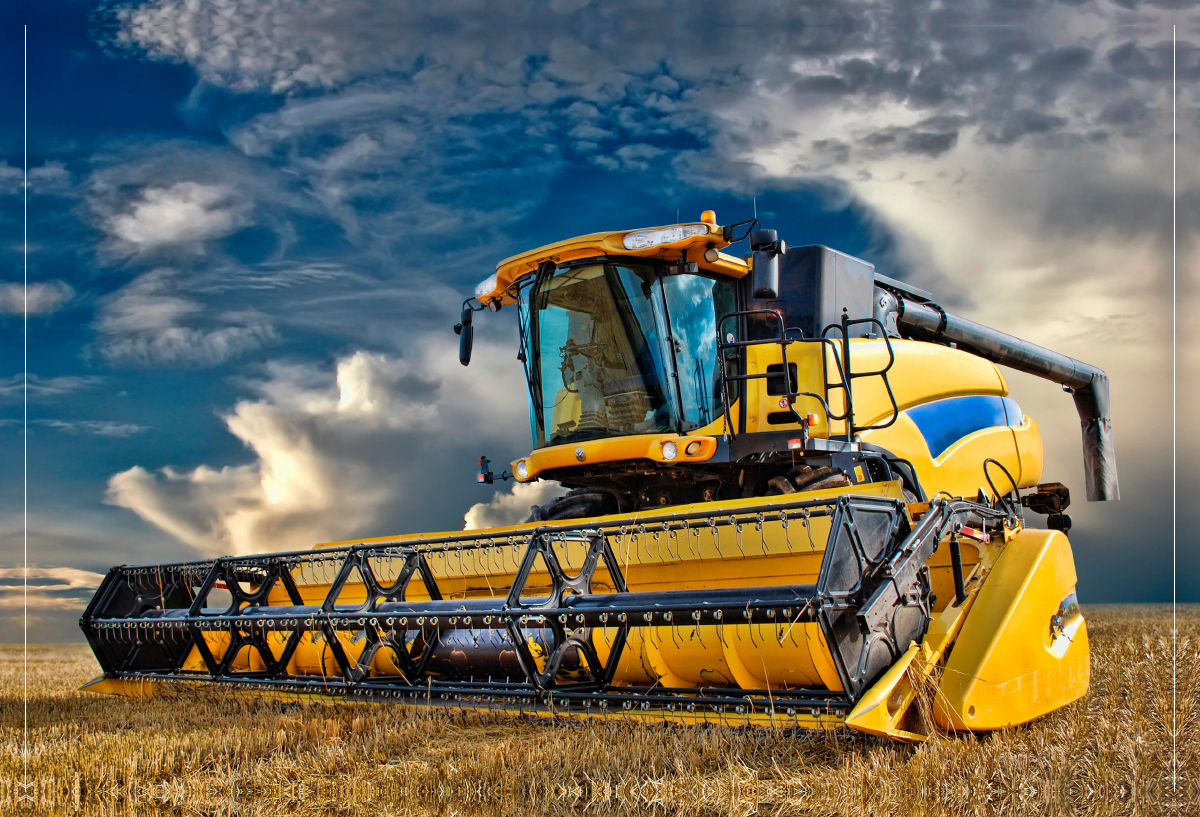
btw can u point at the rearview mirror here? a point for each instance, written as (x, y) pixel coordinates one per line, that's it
(764, 278)
(466, 337)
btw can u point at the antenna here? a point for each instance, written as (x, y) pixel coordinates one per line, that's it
(755, 200)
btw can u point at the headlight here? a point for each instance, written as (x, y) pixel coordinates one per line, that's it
(642, 239)
(670, 451)
(693, 448)
(485, 286)
(522, 469)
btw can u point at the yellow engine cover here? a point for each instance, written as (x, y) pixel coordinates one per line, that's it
(1014, 661)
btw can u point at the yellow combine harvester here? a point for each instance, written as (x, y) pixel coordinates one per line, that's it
(794, 499)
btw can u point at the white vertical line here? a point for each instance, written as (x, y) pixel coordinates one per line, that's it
(25, 421)
(1174, 457)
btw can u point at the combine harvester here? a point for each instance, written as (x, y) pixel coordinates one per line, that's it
(794, 499)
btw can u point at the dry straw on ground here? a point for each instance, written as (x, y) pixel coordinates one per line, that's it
(1109, 754)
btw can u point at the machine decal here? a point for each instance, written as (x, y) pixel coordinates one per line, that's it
(945, 422)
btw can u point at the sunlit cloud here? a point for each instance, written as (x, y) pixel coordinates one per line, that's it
(336, 454)
(46, 588)
(184, 213)
(511, 506)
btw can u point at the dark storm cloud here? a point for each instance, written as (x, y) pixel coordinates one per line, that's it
(833, 151)
(400, 122)
(1124, 112)
(1134, 61)
(915, 141)
(519, 56)
(1022, 123)
(1097, 203)
(1053, 68)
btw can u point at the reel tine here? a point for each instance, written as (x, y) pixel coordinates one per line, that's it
(787, 534)
(808, 529)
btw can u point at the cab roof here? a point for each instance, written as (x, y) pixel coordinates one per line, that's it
(668, 242)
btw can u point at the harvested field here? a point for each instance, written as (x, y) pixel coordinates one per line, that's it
(1109, 754)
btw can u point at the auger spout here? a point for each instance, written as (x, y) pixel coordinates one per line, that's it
(1088, 384)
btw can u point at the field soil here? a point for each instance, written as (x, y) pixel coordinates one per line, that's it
(1125, 749)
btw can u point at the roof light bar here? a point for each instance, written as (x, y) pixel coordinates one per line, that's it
(486, 286)
(641, 239)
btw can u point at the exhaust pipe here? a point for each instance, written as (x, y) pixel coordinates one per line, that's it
(1087, 384)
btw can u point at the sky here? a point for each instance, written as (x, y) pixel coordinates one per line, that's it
(251, 224)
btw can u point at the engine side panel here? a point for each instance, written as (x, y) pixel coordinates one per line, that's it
(1023, 649)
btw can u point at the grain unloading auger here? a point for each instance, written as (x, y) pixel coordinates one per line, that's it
(794, 498)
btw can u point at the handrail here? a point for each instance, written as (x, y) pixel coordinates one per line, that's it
(789, 388)
(844, 328)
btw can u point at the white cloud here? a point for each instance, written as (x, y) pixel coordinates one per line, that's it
(49, 588)
(98, 428)
(629, 157)
(179, 198)
(11, 178)
(41, 298)
(270, 275)
(150, 321)
(511, 507)
(363, 145)
(184, 213)
(292, 45)
(188, 346)
(39, 388)
(51, 177)
(48, 178)
(335, 456)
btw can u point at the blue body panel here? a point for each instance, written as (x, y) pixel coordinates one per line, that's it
(945, 422)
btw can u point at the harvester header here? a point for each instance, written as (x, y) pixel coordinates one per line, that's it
(794, 497)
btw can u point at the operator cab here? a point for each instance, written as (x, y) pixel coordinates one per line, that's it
(662, 371)
(616, 347)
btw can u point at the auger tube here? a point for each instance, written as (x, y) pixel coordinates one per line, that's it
(1088, 384)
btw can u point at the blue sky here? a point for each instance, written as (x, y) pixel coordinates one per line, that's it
(251, 225)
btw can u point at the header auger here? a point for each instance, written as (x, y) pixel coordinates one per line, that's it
(795, 498)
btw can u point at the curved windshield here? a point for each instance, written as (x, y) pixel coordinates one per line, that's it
(598, 362)
(601, 371)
